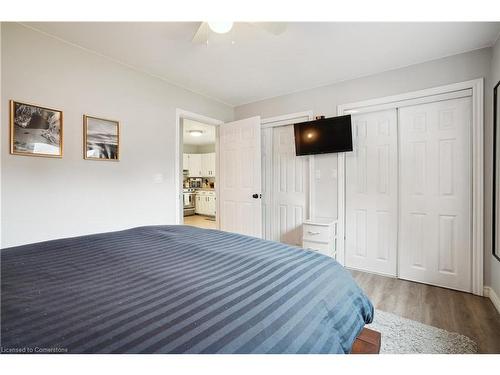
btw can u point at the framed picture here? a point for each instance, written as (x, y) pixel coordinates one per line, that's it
(35, 130)
(496, 181)
(101, 139)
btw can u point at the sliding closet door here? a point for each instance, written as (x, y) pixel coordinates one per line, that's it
(435, 192)
(371, 194)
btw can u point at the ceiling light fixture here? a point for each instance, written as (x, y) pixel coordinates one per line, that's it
(220, 27)
(195, 133)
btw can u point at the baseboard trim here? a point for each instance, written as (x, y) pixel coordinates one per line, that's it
(372, 272)
(490, 293)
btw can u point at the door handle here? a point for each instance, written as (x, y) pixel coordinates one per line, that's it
(256, 196)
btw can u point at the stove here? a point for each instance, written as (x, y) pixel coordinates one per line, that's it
(189, 199)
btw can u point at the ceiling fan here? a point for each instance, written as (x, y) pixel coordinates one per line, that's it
(205, 28)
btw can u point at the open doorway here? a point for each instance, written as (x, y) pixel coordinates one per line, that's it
(197, 166)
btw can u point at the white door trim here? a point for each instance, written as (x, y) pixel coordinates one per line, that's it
(271, 122)
(282, 120)
(181, 113)
(421, 96)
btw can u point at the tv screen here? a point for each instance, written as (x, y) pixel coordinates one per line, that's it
(323, 136)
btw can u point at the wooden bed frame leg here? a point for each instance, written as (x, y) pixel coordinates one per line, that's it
(367, 342)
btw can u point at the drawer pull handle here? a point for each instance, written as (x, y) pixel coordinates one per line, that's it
(313, 233)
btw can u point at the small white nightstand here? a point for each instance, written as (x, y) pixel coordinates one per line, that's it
(320, 234)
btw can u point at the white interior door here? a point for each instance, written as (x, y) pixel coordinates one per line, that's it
(371, 194)
(435, 193)
(239, 177)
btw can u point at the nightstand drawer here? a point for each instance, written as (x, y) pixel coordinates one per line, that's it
(317, 233)
(320, 247)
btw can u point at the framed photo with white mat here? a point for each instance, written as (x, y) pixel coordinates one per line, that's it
(101, 139)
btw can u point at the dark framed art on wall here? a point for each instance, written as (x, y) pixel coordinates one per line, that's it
(35, 130)
(496, 183)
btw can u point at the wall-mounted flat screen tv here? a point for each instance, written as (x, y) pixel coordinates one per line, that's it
(323, 136)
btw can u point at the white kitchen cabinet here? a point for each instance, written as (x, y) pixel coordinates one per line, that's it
(205, 203)
(212, 164)
(208, 164)
(195, 169)
(211, 204)
(200, 204)
(199, 165)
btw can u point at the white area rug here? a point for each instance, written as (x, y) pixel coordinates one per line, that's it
(405, 336)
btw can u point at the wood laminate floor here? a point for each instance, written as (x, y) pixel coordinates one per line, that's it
(200, 222)
(454, 311)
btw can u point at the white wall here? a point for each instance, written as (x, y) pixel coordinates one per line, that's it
(324, 101)
(494, 270)
(189, 149)
(205, 149)
(46, 198)
(198, 149)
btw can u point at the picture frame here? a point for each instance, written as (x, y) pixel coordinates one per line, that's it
(496, 183)
(101, 139)
(35, 130)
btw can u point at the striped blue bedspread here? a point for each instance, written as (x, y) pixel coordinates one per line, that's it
(176, 289)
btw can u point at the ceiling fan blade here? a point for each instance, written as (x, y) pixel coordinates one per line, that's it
(275, 28)
(201, 35)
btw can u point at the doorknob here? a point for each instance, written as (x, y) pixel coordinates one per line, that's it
(257, 196)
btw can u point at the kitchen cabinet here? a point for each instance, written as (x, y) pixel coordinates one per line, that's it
(195, 165)
(208, 164)
(199, 207)
(205, 203)
(211, 205)
(199, 165)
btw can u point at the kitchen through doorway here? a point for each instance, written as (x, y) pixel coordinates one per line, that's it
(198, 170)
(199, 173)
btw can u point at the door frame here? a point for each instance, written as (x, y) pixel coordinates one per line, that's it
(184, 114)
(418, 97)
(287, 119)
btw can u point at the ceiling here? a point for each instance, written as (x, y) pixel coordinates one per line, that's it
(206, 138)
(260, 65)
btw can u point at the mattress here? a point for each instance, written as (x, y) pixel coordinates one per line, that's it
(176, 289)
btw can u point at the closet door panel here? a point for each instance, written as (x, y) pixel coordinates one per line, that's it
(267, 173)
(435, 193)
(289, 188)
(372, 194)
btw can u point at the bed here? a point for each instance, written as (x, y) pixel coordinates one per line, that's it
(176, 289)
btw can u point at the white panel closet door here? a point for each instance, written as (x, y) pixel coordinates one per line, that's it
(267, 183)
(435, 193)
(371, 194)
(289, 187)
(239, 177)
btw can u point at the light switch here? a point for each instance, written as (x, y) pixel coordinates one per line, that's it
(317, 174)
(334, 173)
